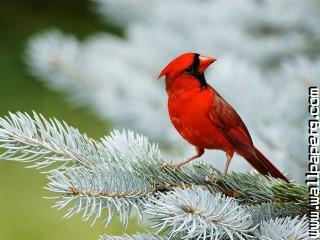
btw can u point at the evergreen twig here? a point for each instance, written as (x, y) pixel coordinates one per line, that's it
(124, 172)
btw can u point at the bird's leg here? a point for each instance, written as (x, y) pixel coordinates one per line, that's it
(226, 167)
(200, 151)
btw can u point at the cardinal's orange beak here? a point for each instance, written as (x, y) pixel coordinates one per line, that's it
(205, 62)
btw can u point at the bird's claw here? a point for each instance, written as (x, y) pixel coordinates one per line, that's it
(214, 178)
(173, 167)
(218, 178)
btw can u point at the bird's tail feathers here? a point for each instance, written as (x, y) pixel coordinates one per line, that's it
(263, 164)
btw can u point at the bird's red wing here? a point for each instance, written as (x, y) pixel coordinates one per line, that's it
(224, 117)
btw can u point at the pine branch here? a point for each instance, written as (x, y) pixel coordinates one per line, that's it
(135, 154)
(286, 192)
(267, 211)
(124, 172)
(256, 188)
(198, 213)
(284, 228)
(42, 142)
(92, 190)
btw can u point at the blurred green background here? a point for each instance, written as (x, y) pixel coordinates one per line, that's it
(24, 214)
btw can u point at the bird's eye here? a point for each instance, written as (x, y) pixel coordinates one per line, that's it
(188, 70)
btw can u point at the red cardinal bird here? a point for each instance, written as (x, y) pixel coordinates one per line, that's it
(204, 118)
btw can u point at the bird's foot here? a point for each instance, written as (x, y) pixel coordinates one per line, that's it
(219, 177)
(173, 167)
(215, 178)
